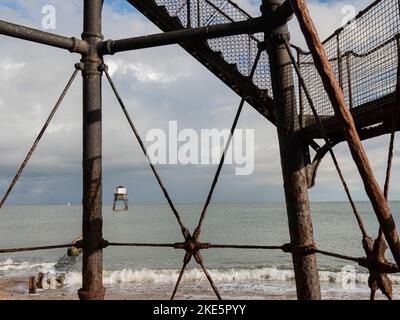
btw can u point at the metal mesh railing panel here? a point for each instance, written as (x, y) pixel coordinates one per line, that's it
(364, 57)
(239, 50)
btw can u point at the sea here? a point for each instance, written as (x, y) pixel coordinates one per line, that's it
(150, 273)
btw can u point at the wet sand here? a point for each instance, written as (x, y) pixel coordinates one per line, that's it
(17, 289)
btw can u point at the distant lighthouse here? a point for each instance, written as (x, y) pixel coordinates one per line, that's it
(120, 194)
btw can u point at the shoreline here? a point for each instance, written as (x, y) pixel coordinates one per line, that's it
(17, 288)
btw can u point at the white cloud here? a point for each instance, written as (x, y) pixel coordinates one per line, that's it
(157, 85)
(143, 72)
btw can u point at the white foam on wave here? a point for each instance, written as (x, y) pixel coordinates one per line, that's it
(222, 276)
(10, 265)
(194, 275)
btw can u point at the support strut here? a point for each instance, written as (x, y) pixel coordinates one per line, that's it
(292, 156)
(346, 122)
(92, 264)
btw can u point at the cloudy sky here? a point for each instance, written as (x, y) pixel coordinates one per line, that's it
(158, 85)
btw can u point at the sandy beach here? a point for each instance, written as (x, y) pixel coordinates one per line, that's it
(17, 289)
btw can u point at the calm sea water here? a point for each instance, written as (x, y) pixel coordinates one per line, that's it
(151, 272)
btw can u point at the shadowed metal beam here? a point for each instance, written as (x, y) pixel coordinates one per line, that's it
(292, 154)
(174, 37)
(50, 39)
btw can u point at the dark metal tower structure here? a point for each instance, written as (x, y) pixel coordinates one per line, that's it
(282, 92)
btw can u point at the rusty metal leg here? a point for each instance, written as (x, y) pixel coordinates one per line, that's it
(292, 158)
(346, 123)
(92, 265)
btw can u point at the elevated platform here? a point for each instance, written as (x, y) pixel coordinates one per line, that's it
(372, 119)
(365, 63)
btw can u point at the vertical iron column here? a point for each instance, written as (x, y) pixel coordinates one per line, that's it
(92, 264)
(292, 156)
(301, 97)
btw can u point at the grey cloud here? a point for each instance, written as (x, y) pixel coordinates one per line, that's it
(157, 85)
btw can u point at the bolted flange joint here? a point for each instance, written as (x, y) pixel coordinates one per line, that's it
(267, 4)
(276, 13)
(74, 47)
(80, 66)
(279, 37)
(92, 295)
(102, 67)
(90, 68)
(109, 47)
(192, 246)
(101, 244)
(299, 249)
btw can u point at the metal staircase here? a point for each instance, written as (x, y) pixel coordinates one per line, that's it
(365, 62)
(229, 58)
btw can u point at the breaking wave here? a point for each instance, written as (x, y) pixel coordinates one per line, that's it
(10, 267)
(219, 275)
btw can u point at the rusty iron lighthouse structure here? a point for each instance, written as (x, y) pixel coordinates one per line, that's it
(324, 94)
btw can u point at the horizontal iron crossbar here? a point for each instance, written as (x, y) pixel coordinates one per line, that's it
(250, 26)
(50, 39)
(287, 248)
(12, 250)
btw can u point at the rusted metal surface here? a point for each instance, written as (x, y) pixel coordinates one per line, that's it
(329, 145)
(38, 36)
(292, 156)
(346, 122)
(192, 246)
(186, 261)
(92, 262)
(175, 37)
(32, 285)
(378, 278)
(370, 102)
(371, 119)
(12, 250)
(296, 180)
(37, 140)
(376, 250)
(365, 66)
(220, 56)
(375, 262)
(40, 280)
(133, 244)
(395, 123)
